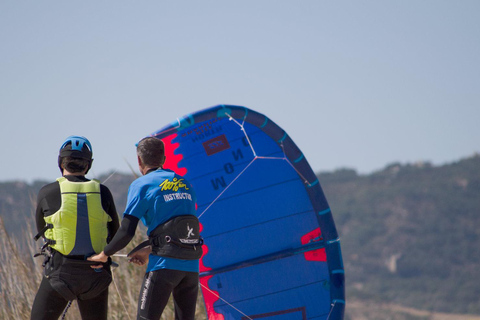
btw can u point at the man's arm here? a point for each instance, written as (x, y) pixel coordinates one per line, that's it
(123, 236)
(108, 205)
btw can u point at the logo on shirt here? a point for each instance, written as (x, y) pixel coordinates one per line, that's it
(173, 185)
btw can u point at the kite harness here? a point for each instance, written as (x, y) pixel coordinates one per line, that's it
(177, 238)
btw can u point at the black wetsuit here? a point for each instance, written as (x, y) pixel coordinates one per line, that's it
(48, 303)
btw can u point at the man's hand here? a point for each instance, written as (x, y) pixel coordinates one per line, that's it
(140, 257)
(101, 257)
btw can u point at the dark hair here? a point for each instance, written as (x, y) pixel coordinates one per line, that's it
(75, 165)
(151, 151)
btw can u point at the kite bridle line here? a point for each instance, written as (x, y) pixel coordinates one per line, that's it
(245, 315)
(118, 254)
(255, 157)
(120, 296)
(243, 130)
(229, 304)
(331, 309)
(125, 256)
(291, 165)
(111, 175)
(203, 286)
(215, 200)
(253, 149)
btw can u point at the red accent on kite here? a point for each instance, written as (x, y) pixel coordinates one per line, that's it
(314, 255)
(173, 159)
(210, 296)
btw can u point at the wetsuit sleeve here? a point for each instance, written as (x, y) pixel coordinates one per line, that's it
(108, 205)
(39, 220)
(123, 236)
(48, 202)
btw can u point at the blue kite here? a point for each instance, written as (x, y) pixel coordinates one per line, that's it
(271, 248)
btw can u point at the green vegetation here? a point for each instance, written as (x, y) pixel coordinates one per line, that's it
(410, 234)
(409, 237)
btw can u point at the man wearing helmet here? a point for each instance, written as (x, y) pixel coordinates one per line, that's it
(76, 218)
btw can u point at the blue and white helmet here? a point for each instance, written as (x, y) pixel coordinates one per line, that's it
(76, 147)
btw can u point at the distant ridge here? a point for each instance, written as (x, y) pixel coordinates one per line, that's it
(410, 234)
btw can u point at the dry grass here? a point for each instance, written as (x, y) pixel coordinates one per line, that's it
(20, 276)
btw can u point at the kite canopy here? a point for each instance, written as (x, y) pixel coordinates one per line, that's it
(271, 247)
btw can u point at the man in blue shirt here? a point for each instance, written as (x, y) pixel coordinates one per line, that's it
(165, 202)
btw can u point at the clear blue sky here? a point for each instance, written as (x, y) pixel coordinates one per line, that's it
(357, 84)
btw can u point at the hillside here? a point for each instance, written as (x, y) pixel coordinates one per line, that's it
(409, 233)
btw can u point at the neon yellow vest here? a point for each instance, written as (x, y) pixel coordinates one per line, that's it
(80, 225)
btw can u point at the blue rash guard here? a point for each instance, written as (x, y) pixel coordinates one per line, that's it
(155, 198)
